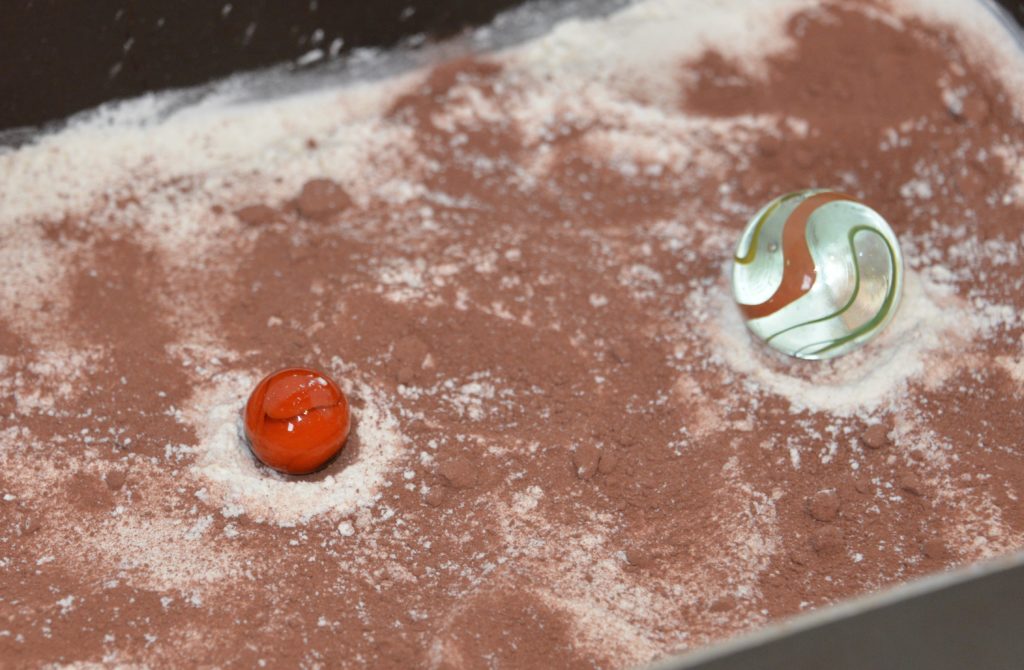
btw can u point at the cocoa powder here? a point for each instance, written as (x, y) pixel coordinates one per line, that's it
(584, 482)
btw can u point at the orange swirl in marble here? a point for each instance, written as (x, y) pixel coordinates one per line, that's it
(798, 270)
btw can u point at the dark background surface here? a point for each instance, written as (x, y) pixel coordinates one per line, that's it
(58, 57)
(972, 623)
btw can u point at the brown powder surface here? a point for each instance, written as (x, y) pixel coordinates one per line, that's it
(583, 481)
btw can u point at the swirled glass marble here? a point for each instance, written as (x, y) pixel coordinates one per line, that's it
(817, 274)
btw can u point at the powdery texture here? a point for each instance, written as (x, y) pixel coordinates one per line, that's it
(567, 450)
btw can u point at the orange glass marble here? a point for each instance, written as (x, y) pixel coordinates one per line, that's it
(296, 420)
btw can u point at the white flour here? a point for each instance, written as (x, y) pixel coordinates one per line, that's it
(930, 316)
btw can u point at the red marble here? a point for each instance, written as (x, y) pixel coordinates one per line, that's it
(296, 420)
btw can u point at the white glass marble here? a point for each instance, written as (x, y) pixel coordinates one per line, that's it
(817, 274)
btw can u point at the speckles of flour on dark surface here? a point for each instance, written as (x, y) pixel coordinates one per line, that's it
(584, 484)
